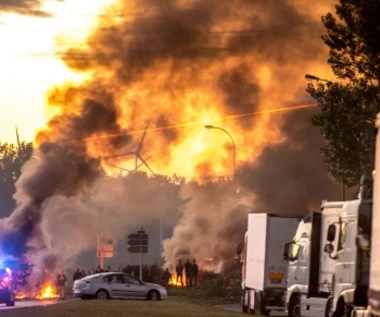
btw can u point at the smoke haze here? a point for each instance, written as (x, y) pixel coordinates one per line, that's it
(180, 63)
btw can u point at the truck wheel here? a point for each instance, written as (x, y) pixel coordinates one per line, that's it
(263, 310)
(250, 310)
(294, 308)
(329, 307)
(244, 307)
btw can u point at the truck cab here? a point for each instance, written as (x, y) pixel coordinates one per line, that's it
(311, 270)
(352, 265)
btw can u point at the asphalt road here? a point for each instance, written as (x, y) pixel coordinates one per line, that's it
(29, 303)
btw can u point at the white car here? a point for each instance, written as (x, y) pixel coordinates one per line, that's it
(117, 285)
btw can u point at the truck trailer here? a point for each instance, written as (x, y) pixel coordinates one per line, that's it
(264, 273)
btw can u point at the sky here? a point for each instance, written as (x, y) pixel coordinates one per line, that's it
(27, 65)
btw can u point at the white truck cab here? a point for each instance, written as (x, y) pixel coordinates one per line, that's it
(311, 269)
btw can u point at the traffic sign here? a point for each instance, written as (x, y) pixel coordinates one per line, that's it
(104, 254)
(136, 249)
(103, 239)
(136, 236)
(138, 242)
(105, 248)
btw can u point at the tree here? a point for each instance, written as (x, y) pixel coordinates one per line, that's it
(12, 158)
(348, 109)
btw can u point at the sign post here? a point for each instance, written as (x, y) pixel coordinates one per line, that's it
(105, 248)
(138, 244)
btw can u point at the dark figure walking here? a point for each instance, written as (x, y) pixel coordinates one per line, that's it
(193, 273)
(77, 275)
(166, 276)
(187, 273)
(179, 271)
(61, 281)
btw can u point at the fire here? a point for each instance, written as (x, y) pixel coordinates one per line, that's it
(173, 282)
(47, 292)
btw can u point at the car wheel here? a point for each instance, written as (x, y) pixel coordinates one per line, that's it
(101, 294)
(154, 295)
(11, 301)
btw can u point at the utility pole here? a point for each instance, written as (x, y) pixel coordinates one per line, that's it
(141, 250)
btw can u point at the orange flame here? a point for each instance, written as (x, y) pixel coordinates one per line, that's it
(47, 292)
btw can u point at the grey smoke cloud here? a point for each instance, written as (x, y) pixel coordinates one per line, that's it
(24, 7)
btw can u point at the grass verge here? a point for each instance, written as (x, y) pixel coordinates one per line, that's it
(173, 307)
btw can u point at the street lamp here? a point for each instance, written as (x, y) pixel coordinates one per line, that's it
(209, 127)
(315, 78)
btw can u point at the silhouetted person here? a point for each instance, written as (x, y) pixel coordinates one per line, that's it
(193, 273)
(187, 273)
(179, 271)
(166, 276)
(149, 278)
(61, 281)
(77, 275)
(109, 269)
(99, 269)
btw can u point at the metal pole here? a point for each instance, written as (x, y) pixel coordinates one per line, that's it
(141, 249)
(102, 263)
(161, 238)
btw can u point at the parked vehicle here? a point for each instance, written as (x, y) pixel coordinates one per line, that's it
(7, 289)
(112, 285)
(311, 269)
(264, 273)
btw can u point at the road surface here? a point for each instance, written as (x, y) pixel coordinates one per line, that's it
(236, 308)
(29, 303)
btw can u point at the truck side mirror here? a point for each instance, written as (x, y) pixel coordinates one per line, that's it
(239, 249)
(331, 232)
(329, 248)
(285, 253)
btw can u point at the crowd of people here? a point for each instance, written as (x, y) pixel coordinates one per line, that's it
(191, 274)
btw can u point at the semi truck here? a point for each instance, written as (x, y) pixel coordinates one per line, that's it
(264, 273)
(311, 269)
(351, 276)
(369, 238)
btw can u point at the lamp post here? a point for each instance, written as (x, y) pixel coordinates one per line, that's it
(315, 78)
(209, 127)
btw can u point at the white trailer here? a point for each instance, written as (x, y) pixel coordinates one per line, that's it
(264, 272)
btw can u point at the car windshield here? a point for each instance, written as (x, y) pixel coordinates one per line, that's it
(131, 280)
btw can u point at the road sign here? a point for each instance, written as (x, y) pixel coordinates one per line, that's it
(104, 254)
(136, 249)
(136, 236)
(103, 239)
(105, 248)
(138, 242)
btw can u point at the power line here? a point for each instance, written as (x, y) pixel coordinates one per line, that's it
(182, 125)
